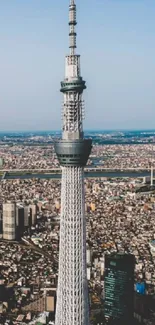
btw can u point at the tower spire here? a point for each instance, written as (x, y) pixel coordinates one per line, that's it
(72, 24)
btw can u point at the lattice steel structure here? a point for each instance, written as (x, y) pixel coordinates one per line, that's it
(72, 152)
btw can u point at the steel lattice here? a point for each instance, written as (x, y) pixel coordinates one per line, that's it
(72, 296)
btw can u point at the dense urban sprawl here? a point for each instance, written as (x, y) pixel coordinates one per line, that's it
(120, 218)
(107, 156)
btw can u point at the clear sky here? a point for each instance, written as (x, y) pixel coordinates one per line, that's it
(116, 40)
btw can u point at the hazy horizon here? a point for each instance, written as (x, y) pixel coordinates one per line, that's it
(117, 45)
(85, 131)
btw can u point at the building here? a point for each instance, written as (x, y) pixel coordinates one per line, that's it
(26, 216)
(72, 151)
(19, 221)
(1, 162)
(119, 288)
(140, 288)
(152, 247)
(51, 301)
(89, 255)
(16, 218)
(142, 304)
(1, 224)
(33, 214)
(2, 289)
(9, 221)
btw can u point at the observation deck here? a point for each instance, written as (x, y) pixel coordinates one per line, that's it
(73, 152)
(77, 85)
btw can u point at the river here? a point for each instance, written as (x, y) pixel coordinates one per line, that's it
(87, 174)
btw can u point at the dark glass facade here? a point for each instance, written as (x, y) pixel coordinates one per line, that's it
(119, 288)
(19, 222)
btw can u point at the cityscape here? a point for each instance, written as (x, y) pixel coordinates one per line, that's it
(77, 218)
(119, 214)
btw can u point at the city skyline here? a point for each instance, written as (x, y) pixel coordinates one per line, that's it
(121, 56)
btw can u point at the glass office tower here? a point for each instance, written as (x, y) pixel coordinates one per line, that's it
(119, 288)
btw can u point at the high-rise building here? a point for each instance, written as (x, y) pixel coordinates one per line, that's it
(19, 221)
(1, 224)
(26, 216)
(9, 221)
(72, 151)
(33, 214)
(16, 218)
(119, 288)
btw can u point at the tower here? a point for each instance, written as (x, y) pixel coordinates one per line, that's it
(119, 288)
(72, 151)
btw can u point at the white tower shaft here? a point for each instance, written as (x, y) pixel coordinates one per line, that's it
(72, 303)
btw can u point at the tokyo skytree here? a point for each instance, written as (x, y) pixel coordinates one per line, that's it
(72, 151)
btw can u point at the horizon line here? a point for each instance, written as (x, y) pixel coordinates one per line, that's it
(86, 130)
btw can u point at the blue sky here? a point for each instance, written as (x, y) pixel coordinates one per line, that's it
(116, 40)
